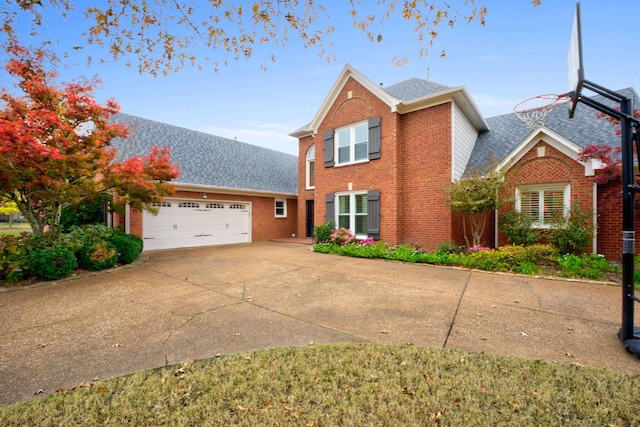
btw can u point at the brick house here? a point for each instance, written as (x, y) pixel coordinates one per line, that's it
(386, 154)
(228, 192)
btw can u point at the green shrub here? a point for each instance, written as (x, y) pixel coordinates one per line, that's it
(128, 246)
(326, 248)
(98, 256)
(13, 260)
(322, 232)
(51, 263)
(87, 212)
(82, 236)
(573, 235)
(517, 228)
(589, 266)
(449, 247)
(542, 254)
(492, 260)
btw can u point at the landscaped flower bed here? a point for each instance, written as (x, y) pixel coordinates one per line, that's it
(533, 259)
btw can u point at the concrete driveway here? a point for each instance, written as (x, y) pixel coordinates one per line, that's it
(196, 303)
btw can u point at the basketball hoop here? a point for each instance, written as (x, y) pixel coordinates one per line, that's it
(534, 111)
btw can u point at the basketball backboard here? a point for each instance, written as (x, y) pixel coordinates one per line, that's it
(574, 62)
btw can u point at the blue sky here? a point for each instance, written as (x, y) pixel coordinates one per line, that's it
(520, 52)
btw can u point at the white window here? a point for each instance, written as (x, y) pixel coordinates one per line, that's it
(543, 204)
(352, 144)
(352, 213)
(281, 208)
(311, 167)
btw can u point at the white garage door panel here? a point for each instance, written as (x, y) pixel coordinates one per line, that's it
(181, 224)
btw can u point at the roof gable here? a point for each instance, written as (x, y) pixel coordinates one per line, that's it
(404, 97)
(212, 161)
(508, 136)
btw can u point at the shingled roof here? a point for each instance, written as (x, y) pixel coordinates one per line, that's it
(506, 132)
(209, 160)
(414, 88)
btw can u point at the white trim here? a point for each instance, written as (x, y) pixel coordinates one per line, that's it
(307, 168)
(352, 146)
(553, 139)
(459, 95)
(352, 215)
(275, 208)
(179, 186)
(347, 72)
(566, 198)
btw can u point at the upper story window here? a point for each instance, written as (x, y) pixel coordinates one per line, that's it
(311, 167)
(543, 204)
(352, 144)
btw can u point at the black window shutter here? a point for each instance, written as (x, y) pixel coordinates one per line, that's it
(330, 214)
(374, 138)
(328, 148)
(373, 214)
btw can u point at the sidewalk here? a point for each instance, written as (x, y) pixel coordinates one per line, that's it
(196, 303)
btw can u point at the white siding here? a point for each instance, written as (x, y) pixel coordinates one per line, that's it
(464, 138)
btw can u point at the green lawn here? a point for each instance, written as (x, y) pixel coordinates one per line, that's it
(346, 385)
(15, 229)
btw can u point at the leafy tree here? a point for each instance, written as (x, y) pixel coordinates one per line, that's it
(610, 159)
(476, 197)
(164, 35)
(55, 146)
(10, 209)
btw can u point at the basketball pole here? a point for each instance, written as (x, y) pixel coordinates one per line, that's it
(628, 333)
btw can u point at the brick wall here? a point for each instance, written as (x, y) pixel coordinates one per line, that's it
(610, 221)
(264, 224)
(553, 168)
(353, 104)
(425, 145)
(303, 194)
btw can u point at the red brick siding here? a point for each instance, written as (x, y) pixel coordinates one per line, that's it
(380, 174)
(610, 221)
(303, 193)
(264, 224)
(425, 145)
(553, 168)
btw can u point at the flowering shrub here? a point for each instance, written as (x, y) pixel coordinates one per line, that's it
(367, 241)
(478, 248)
(341, 236)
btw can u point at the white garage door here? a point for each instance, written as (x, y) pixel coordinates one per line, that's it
(182, 224)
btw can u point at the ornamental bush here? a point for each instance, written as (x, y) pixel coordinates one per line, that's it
(98, 256)
(573, 235)
(51, 263)
(517, 228)
(128, 246)
(322, 232)
(341, 236)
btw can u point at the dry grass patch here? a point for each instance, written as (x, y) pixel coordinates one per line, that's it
(346, 385)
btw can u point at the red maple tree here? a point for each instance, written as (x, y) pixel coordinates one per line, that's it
(55, 145)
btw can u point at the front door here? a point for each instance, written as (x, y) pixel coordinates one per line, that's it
(309, 220)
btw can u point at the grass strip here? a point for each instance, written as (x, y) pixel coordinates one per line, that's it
(350, 385)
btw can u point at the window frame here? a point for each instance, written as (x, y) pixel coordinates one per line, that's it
(283, 208)
(311, 152)
(352, 144)
(540, 189)
(353, 214)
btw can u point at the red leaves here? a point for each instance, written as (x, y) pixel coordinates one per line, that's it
(55, 144)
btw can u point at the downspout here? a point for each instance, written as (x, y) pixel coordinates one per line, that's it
(594, 210)
(127, 219)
